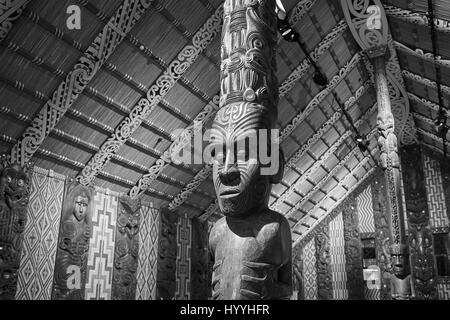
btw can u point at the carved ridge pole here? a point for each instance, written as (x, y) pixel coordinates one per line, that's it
(368, 24)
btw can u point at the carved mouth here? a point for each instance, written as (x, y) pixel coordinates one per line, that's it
(229, 193)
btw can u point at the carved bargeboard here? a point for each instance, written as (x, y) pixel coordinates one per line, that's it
(126, 249)
(73, 243)
(14, 197)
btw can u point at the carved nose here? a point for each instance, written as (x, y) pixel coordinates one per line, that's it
(228, 176)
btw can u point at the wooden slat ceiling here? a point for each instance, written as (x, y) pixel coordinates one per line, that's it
(324, 163)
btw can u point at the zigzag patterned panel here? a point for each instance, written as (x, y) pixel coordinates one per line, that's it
(37, 263)
(372, 294)
(148, 254)
(435, 193)
(444, 290)
(183, 264)
(101, 248)
(365, 211)
(309, 271)
(337, 253)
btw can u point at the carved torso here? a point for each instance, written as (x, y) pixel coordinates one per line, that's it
(401, 288)
(248, 256)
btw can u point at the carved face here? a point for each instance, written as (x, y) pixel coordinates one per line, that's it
(400, 265)
(236, 142)
(80, 208)
(14, 183)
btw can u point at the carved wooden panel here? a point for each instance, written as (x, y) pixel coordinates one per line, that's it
(323, 268)
(199, 261)
(420, 236)
(73, 243)
(126, 249)
(382, 232)
(14, 197)
(167, 255)
(353, 257)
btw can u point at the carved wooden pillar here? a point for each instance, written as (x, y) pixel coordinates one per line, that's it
(14, 196)
(199, 261)
(167, 255)
(368, 24)
(387, 142)
(420, 235)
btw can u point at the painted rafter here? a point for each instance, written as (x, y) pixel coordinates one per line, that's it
(297, 185)
(421, 54)
(204, 173)
(425, 81)
(427, 103)
(84, 70)
(415, 17)
(10, 11)
(145, 106)
(310, 142)
(342, 198)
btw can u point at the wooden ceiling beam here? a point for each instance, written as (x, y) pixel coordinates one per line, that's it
(89, 91)
(10, 12)
(77, 79)
(427, 103)
(146, 104)
(415, 18)
(312, 141)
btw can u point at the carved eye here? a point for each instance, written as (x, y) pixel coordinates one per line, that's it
(20, 183)
(9, 179)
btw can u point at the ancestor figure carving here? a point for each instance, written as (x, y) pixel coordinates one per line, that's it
(126, 249)
(73, 243)
(14, 197)
(251, 244)
(402, 287)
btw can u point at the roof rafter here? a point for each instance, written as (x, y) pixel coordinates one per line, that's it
(415, 17)
(157, 91)
(9, 12)
(84, 70)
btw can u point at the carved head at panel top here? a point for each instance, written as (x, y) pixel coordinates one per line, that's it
(246, 160)
(80, 206)
(14, 184)
(400, 262)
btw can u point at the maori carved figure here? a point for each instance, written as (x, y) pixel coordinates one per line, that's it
(126, 249)
(352, 249)
(167, 255)
(323, 260)
(14, 197)
(420, 236)
(251, 244)
(73, 243)
(402, 287)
